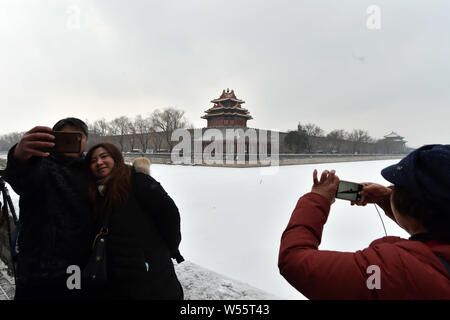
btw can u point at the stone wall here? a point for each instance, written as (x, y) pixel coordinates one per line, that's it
(158, 141)
(284, 159)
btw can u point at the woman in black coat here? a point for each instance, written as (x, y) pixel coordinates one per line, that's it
(144, 228)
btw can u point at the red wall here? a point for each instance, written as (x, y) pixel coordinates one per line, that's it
(220, 122)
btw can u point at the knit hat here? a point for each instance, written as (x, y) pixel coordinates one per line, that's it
(75, 122)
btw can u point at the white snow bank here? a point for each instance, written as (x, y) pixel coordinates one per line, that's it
(6, 283)
(202, 284)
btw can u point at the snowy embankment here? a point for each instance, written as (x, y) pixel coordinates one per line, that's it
(203, 284)
(6, 283)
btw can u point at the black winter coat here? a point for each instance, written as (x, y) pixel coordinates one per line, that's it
(57, 227)
(144, 235)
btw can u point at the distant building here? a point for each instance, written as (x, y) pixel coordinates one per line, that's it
(227, 112)
(393, 143)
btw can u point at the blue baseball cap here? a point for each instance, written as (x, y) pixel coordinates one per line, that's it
(425, 172)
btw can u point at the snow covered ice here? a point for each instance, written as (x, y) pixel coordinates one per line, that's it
(232, 218)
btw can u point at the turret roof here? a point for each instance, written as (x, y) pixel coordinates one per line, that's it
(228, 95)
(393, 135)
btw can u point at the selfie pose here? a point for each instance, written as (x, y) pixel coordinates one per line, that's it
(391, 267)
(56, 227)
(140, 225)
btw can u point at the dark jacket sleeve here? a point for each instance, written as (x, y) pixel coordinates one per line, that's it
(153, 198)
(21, 176)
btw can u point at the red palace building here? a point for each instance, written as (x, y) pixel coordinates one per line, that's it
(227, 112)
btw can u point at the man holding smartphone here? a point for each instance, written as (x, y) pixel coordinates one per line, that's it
(391, 267)
(56, 228)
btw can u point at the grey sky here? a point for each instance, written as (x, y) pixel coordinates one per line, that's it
(308, 61)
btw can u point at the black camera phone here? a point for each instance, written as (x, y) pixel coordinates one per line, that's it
(67, 142)
(349, 191)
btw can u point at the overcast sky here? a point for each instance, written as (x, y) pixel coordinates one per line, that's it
(306, 61)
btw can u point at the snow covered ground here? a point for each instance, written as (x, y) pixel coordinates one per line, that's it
(6, 283)
(233, 218)
(202, 284)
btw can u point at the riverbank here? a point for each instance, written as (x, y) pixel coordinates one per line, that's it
(283, 160)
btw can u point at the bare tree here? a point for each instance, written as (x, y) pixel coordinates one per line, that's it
(296, 140)
(120, 127)
(101, 127)
(336, 139)
(358, 137)
(310, 131)
(144, 129)
(157, 139)
(89, 125)
(9, 139)
(132, 131)
(167, 122)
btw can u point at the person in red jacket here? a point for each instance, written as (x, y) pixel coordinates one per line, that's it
(391, 267)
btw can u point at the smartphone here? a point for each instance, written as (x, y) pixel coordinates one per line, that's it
(67, 142)
(349, 191)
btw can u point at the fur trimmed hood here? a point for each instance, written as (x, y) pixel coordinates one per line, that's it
(142, 165)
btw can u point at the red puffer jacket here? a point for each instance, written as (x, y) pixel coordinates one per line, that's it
(407, 269)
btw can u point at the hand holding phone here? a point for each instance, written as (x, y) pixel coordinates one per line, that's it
(34, 143)
(40, 141)
(374, 193)
(349, 191)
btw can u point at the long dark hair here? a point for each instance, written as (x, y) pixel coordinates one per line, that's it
(118, 185)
